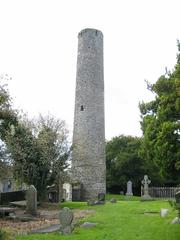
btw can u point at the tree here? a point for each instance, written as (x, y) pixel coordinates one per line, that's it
(39, 151)
(8, 117)
(161, 125)
(5, 163)
(53, 144)
(123, 163)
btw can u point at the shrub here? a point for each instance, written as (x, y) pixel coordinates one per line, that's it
(5, 235)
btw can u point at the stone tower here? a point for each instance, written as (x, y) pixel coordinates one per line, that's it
(88, 158)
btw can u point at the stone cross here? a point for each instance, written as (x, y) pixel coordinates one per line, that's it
(145, 183)
(129, 189)
(66, 218)
(31, 199)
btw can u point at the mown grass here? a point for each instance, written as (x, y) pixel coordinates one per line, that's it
(122, 197)
(74, 205)
(124, 220)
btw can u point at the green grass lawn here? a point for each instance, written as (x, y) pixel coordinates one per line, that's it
(124, 220)
(122, 197)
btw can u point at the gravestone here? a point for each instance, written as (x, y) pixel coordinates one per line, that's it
(31, 199)
(101, 197)
(175, 220)
(129, 189)
(113, 200)
(100, 201)
(145, 182)
(66, 218)
(164, 212)
(88, 225)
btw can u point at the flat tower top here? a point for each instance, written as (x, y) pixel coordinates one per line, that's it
(90, 30)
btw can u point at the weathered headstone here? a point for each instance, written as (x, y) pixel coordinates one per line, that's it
(113, 200)
(66, 218)
(101, 197)
(31, 199)
(145, 182)
(88, 225)
(92, 202)
(175, 220)
(163, 212)
(129, 189)
(99, 201)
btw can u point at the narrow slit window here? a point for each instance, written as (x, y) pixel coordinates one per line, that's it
(82, 108)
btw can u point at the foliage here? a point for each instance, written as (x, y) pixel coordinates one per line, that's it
(161, 125)
(176, 206)
(8, 117)
(5, 163)
(5, 235)
(39, 151)
(123, 162)
(123, 221)
(23, 150)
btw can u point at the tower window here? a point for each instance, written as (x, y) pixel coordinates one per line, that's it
(82, 108)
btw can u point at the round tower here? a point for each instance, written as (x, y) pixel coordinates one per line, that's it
(88, 157)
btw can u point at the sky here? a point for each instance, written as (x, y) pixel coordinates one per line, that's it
(38, 51)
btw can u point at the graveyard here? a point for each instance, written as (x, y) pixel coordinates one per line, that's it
(128, 218)
(126, 188)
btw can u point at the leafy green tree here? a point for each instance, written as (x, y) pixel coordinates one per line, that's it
(52, 141)
(23, 150)
(5, 163)
(161, 125)
(123, 163)
(8, 117)
(39, 152)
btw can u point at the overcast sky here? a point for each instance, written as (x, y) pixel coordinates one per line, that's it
(38, 50)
